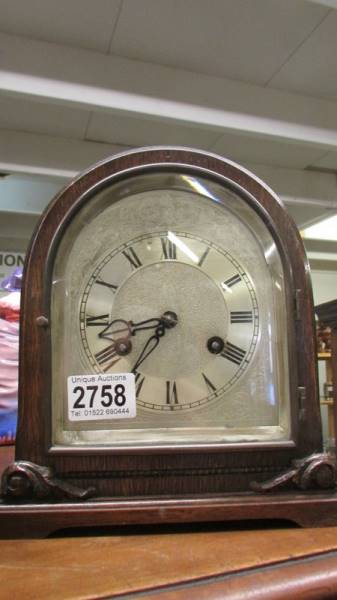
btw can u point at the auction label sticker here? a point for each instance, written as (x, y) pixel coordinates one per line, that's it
(94, 397)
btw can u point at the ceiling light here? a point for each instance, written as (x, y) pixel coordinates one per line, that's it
(324, 230)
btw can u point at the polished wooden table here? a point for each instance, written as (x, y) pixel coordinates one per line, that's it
(173, 563)
(176, 565)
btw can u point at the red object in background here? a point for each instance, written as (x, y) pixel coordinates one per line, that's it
(10, 307)
(9, 356)
(9, 366)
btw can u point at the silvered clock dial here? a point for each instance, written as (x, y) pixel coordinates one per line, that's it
(176, 277)
(172, 278)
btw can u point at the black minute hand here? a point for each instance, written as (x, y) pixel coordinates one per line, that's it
(167, 321)
(150, 345)
(116, 329)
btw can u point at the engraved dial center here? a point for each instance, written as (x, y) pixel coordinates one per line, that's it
(174, 289)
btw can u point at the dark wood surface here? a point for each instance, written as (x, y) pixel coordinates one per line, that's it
(40, 519)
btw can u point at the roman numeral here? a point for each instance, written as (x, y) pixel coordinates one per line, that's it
(132, 258)
(241, 316)
(111, 286)
(233, 353)
(171, 393)
(169, 249)
(211, 388)
(203, 257)
(231, 281)
(107, 356)
(139, 380)
(97, 321)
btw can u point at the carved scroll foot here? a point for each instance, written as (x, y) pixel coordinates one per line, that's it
(317, 471)
(24, 480)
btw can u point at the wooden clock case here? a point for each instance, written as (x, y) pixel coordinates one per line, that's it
(101, 486)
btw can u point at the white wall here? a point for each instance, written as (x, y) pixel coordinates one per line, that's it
(324, 285)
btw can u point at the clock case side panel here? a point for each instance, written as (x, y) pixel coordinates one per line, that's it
(34, 429)
(141, 473)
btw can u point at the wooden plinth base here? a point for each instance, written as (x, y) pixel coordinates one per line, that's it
(40, 520)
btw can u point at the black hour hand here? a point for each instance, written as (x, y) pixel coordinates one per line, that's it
(168, 320)
(119, 328)
(144, 325)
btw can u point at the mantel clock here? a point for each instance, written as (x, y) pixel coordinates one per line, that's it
(167, 362)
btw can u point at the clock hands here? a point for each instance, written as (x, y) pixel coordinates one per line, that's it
(128, 328)
(120, 328)
(119, 332)
(167, 321)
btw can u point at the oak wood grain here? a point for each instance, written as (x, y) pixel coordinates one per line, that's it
(107, 566)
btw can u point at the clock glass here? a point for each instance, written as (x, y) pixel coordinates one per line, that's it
(176, 279)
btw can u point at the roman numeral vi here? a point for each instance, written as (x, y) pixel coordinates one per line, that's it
(171, 393)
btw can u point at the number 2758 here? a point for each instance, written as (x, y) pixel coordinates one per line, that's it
(107, 395)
